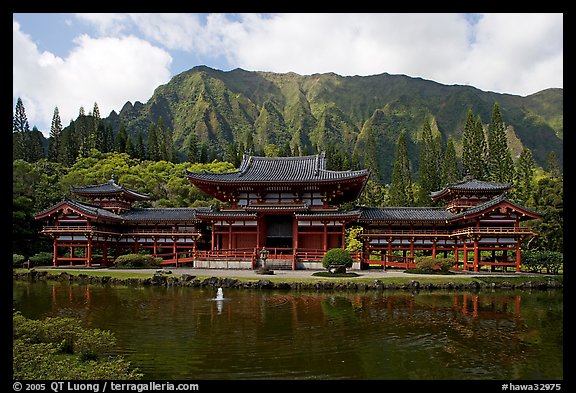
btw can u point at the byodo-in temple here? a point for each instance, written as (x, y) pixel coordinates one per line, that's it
(291, 207)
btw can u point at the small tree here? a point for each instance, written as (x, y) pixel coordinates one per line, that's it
(337, 257)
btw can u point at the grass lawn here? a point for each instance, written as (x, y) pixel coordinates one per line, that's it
(432, 278)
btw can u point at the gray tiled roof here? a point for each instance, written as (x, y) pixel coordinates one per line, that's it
(280, 169)
(109, 187)
(163, 214)
(321, 214)
(473, 185)
(85, 208)
(430, 214)
(489, 204)
(228, 214)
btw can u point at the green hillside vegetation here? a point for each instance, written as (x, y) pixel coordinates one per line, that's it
(304, 114)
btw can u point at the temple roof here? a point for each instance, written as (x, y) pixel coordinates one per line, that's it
(133, 215)
(435, 214)
(84, 208)
(430, 214)
(107, 188)
(494, 202)
(254, 169)
(164, 214)
(473, 185)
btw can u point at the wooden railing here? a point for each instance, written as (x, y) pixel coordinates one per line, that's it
(415, 232)
(79, 229)
(492, 230)
(456, 232)
(134, 232)
(149, 232)
(245, 254)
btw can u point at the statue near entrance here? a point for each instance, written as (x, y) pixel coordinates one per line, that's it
(263, 269)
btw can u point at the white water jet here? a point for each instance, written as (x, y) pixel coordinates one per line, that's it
(219, 300)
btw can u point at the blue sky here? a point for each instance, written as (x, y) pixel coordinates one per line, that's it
(75, 60)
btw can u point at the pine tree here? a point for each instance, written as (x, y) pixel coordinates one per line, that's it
(525, 175)
(429, 167)
(401, 193)
(139, 151)
(162, 140)
(500, 164)
(82, 134)
(473, 147)
(192, 149)
(129, 146)
(204, 158)
(55, 142)
(450, 171)
(69, 146)
(153, 152)
(120, 140)
(97, 130)
(36, 149)
(108, 138)
(21, 130)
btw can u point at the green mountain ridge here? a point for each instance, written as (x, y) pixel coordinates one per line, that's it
(357, 114)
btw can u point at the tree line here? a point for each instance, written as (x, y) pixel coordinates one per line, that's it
(71, 156)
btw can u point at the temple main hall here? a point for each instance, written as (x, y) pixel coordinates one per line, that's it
(293, 208)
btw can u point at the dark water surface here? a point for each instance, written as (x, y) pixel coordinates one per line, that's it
(184, 333)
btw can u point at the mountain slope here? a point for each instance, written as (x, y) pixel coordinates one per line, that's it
(313, 112)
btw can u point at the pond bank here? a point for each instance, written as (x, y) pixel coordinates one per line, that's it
(293, 280)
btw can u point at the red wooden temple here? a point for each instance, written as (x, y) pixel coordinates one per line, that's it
(291, 206)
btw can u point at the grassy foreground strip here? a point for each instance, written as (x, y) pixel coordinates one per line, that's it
(535, 279)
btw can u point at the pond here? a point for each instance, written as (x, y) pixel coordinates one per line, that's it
(181, 333)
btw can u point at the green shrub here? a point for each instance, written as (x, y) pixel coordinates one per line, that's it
(337, 256)
(60, 348)
(427, 263)
(41, 259)
(17, 260)
(550, 262)
(137, 261)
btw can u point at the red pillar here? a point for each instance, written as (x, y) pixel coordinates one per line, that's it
(325, 237)
(518, 256)
(213, 225)
(175, 250)
(89, 251)
(476, 255)
(55, 258)
(229, 235)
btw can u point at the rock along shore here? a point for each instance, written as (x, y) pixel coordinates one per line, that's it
(189, 280)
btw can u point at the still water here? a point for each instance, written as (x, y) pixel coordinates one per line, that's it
(190, 333)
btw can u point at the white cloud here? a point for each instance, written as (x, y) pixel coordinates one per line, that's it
(507, 53)
(510, 53)
(516, 53)
(108, 71)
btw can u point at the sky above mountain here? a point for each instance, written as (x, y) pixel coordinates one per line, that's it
(76, 60)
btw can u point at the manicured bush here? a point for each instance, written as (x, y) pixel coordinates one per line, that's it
(427, 263)
(337, 256)
(17, 260)
(137, 261)
(41, 259)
